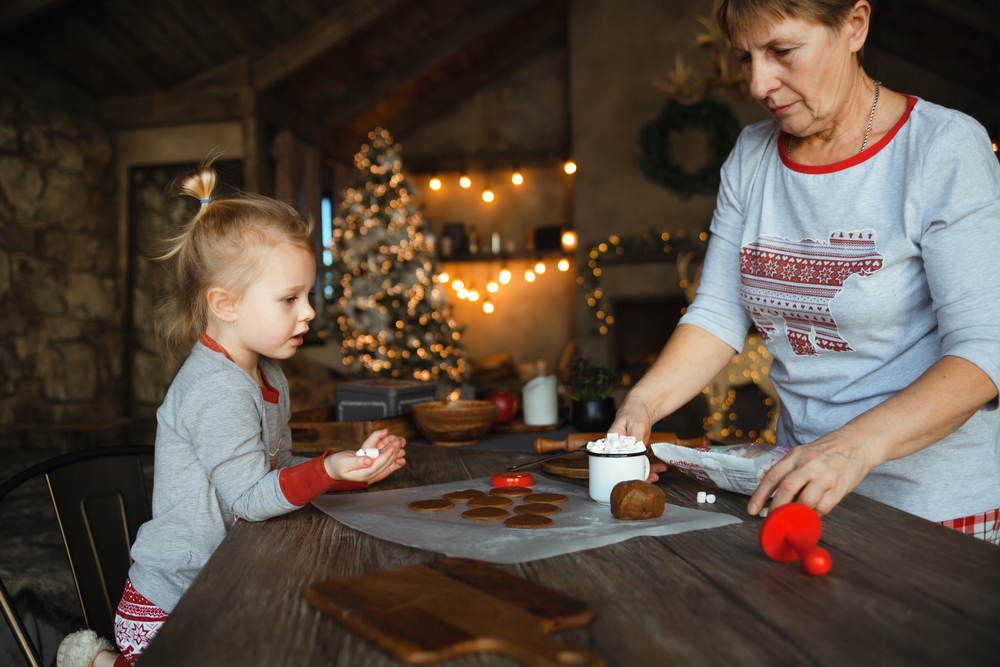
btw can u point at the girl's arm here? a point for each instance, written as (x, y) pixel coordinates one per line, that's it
(935, 405)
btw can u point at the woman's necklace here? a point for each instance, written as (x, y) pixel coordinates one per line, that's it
(788, 137)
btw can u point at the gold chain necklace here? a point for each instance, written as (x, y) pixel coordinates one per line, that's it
(788, 137)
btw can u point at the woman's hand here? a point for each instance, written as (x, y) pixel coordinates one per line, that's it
(347, 466)
(634, 418)
(819, 474)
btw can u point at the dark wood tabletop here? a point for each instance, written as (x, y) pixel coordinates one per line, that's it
(902, 590)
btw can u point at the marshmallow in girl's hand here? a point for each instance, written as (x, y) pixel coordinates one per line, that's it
(372, 452)
(360, 452)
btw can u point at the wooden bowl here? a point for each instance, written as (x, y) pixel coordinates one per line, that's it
(454, 422)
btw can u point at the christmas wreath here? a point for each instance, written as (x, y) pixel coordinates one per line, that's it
(718, 122)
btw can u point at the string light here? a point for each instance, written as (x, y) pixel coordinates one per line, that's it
(457, 285)
(435, 184)
(569, 239)
(462, 293)
(570, 167)
(563, 264)
(487, 195)
(492, 286)
(473, 295)
(517, 179)
(443, 278)
(540, 268)
(529, 276)
(465, 182)
(487, 306)
(504, 276)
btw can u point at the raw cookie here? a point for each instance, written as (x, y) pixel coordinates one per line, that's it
(435, 505)
(528, 521)
(537, 509)
(636, 499)
(490, 501)
(510, 492)
(485, 514)
(550, 498)
(464, 496)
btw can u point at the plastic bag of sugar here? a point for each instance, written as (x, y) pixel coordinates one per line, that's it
(737, 468)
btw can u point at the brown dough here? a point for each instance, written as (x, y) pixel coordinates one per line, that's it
(528, 521)
(550, 498)
(490, 501)
(464, 496)
(435, 505)
(636, 499)
(537, 509)
(510, 492)
(485, 514)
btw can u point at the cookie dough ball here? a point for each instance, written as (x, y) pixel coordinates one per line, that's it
(637, 500)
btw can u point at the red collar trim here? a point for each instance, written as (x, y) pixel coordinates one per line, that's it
(269, 393)
(851, 161)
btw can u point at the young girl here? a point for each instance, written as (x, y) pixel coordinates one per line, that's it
(245, 270)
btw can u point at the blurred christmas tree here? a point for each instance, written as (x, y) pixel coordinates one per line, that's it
(391, 312)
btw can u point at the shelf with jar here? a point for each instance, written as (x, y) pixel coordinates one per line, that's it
(458, 245)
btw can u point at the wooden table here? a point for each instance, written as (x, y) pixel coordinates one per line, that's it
(902, 590)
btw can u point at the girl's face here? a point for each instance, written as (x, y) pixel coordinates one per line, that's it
(800, 71)
(274, 314)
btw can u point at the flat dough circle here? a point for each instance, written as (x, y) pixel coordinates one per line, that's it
(551, 498)
(528, 521)
(537, 509)
(435, 505)
(485, 514)
(464, 496)
(510, 492)
(490, 501)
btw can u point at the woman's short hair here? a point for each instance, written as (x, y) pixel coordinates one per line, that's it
(737, 16)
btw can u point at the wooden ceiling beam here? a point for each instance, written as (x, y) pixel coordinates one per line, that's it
(340, 25)
(176, 107)
(466, 30)
(15, 13)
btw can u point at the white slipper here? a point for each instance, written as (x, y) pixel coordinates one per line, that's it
(80, 648)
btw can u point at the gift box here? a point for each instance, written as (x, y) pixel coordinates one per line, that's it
(380, 398)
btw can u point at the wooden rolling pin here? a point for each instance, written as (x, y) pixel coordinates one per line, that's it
(577, 440)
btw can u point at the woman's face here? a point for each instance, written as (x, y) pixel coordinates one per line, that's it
(801, 72)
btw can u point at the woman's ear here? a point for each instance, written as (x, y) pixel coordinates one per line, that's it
(221, 304)
(857, 25)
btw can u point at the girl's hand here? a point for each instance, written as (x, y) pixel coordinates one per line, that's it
(634, 418)
(817, 475)
(347, 466)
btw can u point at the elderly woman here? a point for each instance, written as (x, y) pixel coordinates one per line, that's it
(859, 230)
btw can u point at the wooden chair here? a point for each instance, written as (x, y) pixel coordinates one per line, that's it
(100, 501)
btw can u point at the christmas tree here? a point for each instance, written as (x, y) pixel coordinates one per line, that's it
(390, 309)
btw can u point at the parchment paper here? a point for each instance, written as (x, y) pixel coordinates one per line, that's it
(583, 523)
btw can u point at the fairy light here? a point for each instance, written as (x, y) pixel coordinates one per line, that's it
(465, 182)
(563, 264)
(570, 167)
(473, 295)
(517, 179)
(457, 285)
(504, 276)
(540, 268)
(435, 184)
(443, 278)
(569, 240)
(462, 293)
(492, 286)
(529, 276)
(487, 195)
(487, 306)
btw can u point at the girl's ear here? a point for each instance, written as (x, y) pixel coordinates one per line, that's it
(221, 303)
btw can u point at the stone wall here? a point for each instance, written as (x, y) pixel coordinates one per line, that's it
(60, 276)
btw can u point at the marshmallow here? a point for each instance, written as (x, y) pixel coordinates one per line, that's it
(372, 452)
(615, 444)
(360, 452)
(763, 512)
(710, 498)
(701, 496)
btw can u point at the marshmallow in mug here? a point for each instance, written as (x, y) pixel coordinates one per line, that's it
(615, 444)
(371, 452)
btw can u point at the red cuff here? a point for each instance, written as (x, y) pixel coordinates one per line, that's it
(301, 484)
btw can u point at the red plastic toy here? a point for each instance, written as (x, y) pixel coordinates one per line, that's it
(791, 532)
(502, 479)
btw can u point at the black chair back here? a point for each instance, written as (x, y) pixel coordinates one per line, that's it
(100, 500)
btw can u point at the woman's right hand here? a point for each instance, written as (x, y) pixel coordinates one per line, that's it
(635, 419)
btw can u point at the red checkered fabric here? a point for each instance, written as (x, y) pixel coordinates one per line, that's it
(136, 623)
(985, 526)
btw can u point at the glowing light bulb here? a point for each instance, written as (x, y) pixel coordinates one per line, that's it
(443, 278)
(487, 307)
(435, 184)
(464, 182)
(569, 240)
(570, 167)
(540, 268)
(457, 285)
(563, 264)
(487, 195)
(473, 295)
(492, 287)
(517, 179)
(462, 293)
(504, 276)
(529, 276)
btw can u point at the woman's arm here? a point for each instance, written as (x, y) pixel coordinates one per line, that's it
(935, 405)
(689, 361)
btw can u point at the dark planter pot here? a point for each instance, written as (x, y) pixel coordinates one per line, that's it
(593, 416)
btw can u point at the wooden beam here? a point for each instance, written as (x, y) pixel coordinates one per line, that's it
(15, 13)
(23, 75)
(469, 29)
(206, 105)
(344, 22)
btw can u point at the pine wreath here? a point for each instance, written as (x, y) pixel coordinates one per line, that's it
(718, 122)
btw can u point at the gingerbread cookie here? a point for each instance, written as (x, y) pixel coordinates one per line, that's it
(510, 492)
(435, 505)
(528, 521)
(464, 496)
(637, 500)
(537, 509)
(485, 514)
(551, 498)
(490, 501)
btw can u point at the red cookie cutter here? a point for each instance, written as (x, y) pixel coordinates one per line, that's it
(502, 479)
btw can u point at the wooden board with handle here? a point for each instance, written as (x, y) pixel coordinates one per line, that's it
(315, 431)
(427, 613)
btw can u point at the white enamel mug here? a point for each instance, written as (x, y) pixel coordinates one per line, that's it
(606, 470)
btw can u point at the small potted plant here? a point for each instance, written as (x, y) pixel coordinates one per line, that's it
(589, 386)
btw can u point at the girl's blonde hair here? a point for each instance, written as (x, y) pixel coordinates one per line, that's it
(226, 244)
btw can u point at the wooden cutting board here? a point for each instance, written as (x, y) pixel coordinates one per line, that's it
(573, 465)
(427, 613)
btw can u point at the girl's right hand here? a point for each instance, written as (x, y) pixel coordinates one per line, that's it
(346, 466)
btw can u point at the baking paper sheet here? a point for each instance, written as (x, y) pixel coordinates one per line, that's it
(583, 523)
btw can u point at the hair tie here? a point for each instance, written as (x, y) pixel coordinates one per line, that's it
(206, 201)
